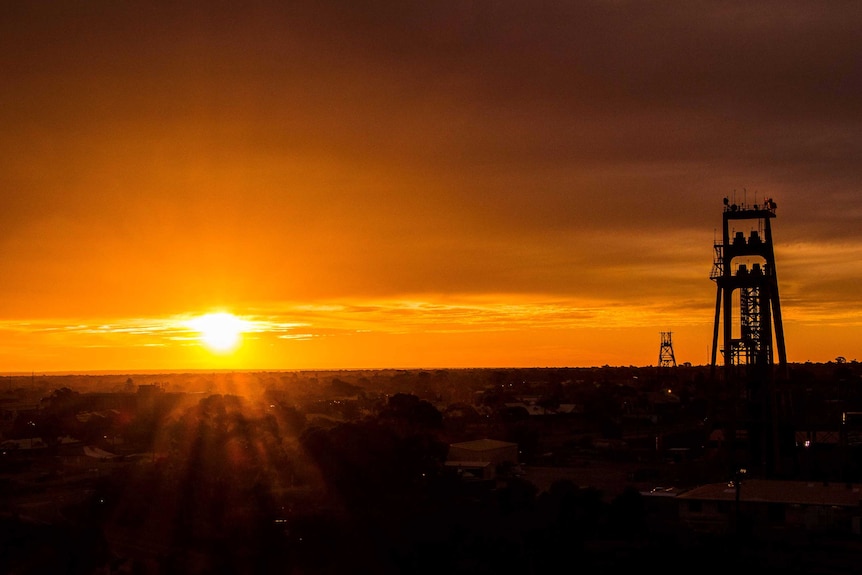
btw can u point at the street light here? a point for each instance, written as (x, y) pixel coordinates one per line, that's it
(737, 486)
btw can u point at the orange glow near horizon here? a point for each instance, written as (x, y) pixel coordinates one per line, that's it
(506, 330)
(499, 330)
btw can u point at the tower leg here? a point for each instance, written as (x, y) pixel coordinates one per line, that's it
(715, 329)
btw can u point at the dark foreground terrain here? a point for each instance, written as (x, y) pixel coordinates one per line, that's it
(345, 472)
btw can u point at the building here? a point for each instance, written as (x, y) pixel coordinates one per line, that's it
(481, 458)
(768, 507)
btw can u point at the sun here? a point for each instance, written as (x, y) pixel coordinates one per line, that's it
(220, 331)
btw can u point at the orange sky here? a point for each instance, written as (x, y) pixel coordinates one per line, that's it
(418, 184)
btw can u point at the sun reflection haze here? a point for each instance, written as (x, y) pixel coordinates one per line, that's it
(220, 332)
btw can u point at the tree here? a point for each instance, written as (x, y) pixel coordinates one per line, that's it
(408, 411)
(62, 402)
(628, 515)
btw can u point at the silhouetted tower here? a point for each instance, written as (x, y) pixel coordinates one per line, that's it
(665, 352)
(744, 272)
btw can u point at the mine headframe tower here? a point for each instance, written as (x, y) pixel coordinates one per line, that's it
(746, 280)
(666, 357)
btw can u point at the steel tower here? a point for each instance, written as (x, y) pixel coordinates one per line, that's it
(746, 280)
(665, 352)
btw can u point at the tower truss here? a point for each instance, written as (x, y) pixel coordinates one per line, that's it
(665, 352)
(744, 268)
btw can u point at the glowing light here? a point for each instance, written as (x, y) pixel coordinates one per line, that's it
(219, 331)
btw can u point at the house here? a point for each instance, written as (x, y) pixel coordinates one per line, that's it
(773, 506)
(480, 458)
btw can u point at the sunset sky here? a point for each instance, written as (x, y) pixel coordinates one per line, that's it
(418, 184)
